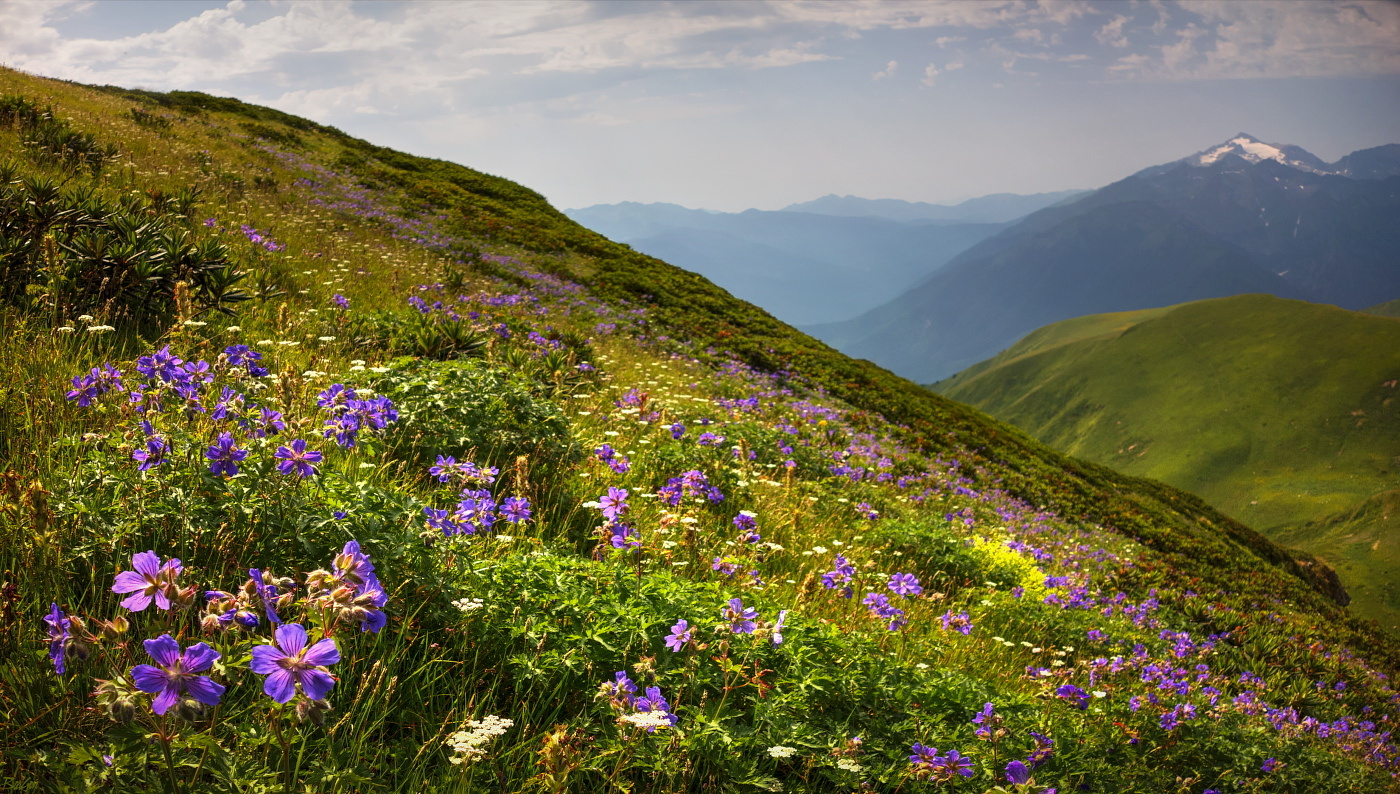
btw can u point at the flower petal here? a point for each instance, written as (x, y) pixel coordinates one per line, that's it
(128, 582)
(146, 562)
(137, 601)
(167, 698)
(199, 657)
(321, 654)
(280, 686)
(373, 622)
(205, 690)
(164, 649)
(265, 659)
(292, 638)
(315, 683)
(148, 678)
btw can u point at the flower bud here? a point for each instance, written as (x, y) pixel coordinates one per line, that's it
(313, 711)
(210, 623)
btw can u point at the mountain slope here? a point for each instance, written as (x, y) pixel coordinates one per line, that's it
(802, 267)
(1278, 412)
(1121, 256)
(1312, 233)
(498, 462)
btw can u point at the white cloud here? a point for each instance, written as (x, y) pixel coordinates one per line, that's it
(930, 75)
(889, 70)
(1111, 34)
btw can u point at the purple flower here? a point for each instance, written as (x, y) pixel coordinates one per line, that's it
(224, 456)
(677, 639)
(677, 430)
(988, 723)
(1270, 764)
(960, 622)
(297, 459)
(1073, 695)
(778, 627)
(60, 631)
(150, 580)
(291, 663)
(174, 673)
(620, 690)
(624, 536)
(515, 509)
(1044, 748)
(340, 300)
(1017, 774)
(152, 456)
(905, 584)
(741, 620)
(614, 503)
(841, 575)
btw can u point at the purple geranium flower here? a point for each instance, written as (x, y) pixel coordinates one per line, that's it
(291, 663)
(152, 456)
(174, 673)
(679, 636)
(741, 619)
(614, 503)
(1017, 774)
(905, 584)
(298, 459)
(778, 628)
(60, 630)
(224, 457)
(1074, 695)
(150, 580)
(515, 509)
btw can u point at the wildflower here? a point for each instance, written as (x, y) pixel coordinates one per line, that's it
(960, 622)
(515, 509)
(297, 459)
(841, 574)
(905, 584)
(151, 580)
(1271, 764)
(614, 504)
(291, 663)
(1017, 774)
(677, 430)
(741, 619)
(988, 724)
(1073, 695)
(654, 702)
(1044, 748)
(174, 673)
(152, 455)
(779, 751)
(679, 636)
(469, 745)
(624, 536)
(340, 301)
(224, 457)
(620, 691)
(60, 636)
(777, 635)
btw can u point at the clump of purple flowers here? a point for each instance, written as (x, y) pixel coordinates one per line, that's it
(245, 357)
(929, 764)
(1074, 696)
(349, 413)
(840, 577)
(101, 380)
(960, 622)
(879, 606)
(618, 463)
(691, 484)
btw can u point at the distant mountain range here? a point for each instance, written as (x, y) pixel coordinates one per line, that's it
(1280, 413)
(1240, 217)
(823, 260)
(996, 208)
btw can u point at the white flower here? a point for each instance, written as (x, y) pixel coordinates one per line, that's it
(265, 343)
(469, 745)
(819, 549)
(359, 362)
(233, 329)
(85, 318)
(468, 604)
(850, 765)
(504, 538)
(325, 338)
(379, 370)
(780, 751)
(646, 719)
(66, 329)
(357, 368)
(100, 329)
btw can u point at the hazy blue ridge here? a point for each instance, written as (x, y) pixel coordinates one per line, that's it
(994, 208)
(802, 267)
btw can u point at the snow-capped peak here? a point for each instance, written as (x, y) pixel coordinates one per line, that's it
(1251, 149)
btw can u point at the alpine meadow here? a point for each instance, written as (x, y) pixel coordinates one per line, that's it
(329, 468)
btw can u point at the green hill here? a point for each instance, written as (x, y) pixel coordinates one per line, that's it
(551, 515)
(1277, 412)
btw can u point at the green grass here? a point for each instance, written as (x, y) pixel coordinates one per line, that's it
(1278, 412)
(526, 621)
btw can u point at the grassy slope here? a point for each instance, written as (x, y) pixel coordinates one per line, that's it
(1188, 545)
(1276, 411)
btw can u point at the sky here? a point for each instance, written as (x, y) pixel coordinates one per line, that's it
(737, 104)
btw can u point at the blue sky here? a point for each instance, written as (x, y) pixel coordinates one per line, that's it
(730, 105)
